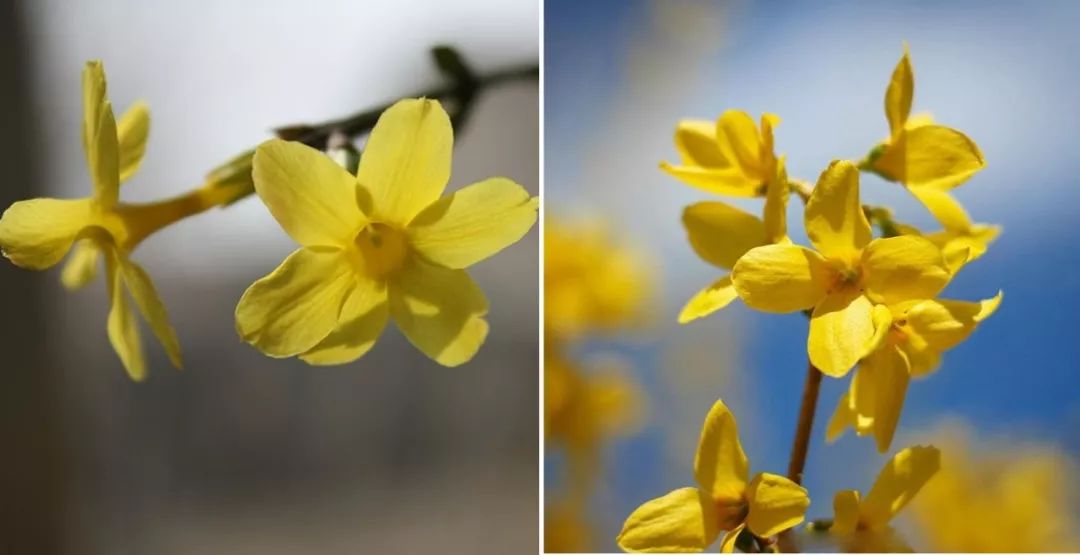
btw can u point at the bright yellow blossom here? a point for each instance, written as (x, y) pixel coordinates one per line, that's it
(843, 279)
(919, 153)
(690, 519)
(377, 244)
(1018, 498)
(731, 157)
(960, 240)
(910, 338)
(36, 234)
(862, 524)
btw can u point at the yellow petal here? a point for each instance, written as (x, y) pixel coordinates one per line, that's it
(709, 300)
(886, 374)
(720, 466)
(948, 212)
(727, 545)
(943, 324)
(882, 318)
(841, 328)
(81, 267)
(474, 223)
(726, 181)
(99, 136)
(930, 156)
(133, 129)
(37, 233)
(835, 222)
(151, 307)
(696, 143)
(776, 198)
(737, 137)
(362, 320)
(897, 483)
(843, 417)
(923, 360)
(845, 512)
(781, 278)
(720, 233)
(310, 196)
(440, 310)
(683, 521)
(776, 504)
(406, 161)
(122, 327)
(903, 268)
(768, 124)
(899, 94)
(297, 305)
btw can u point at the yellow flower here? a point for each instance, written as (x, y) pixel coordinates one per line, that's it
(36, 234)
(1009, 498)
(720, 234)
(690, 519)
(961, 240)
(862, 525)
(378, 244)
(843, 279)
(910, 338)
(566, 530)
(919, 153)
(731, 157)
(590, 282)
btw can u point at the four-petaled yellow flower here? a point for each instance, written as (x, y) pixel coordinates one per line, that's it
(909, 340)
(862, 525)
(688, 520)
(843, 279)
(377, 244)
(38, 233)
(731, 157)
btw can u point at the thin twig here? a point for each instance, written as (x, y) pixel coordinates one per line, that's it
(801, 445)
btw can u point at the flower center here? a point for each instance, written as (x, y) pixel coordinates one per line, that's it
(383, 249)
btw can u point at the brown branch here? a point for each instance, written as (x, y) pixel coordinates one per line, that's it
(801, 445)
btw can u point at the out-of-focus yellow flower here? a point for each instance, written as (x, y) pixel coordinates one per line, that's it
(720, 234)
(843, 279)
(961, 240)
(378, 244)
(909, 340)
(566, 530)
(590, 282)
(731, 157)
(919, 153)
(1017, 498)
(862, 525)
(36, 234)
(690, 519)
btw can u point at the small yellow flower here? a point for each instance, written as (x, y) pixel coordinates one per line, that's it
(688, 520)
(36, 234)
(862, 525)
(720, 234)
(910, 338)
(919, 153)
(378, 244)
(731, 157)
(843, 279)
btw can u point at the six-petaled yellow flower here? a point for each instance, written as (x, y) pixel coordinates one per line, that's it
(732, 157)
(909, 340)
(378, 244)
(843, 279)
(36, 234)
(688, 520)
(862, 524)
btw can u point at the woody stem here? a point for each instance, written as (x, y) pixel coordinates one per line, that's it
(801, 445)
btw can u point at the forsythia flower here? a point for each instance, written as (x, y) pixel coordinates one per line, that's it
(731, 157)
(690, 519)
(862, 525)
(36, 234)
(843, 279)
(960, 240)
(909, 340)
(720, 234)
(378, 244)
(1021, 499)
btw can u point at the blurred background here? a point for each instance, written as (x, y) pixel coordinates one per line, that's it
(239, 453)
(1004, 405)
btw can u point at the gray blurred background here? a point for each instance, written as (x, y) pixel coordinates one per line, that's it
(239, 453)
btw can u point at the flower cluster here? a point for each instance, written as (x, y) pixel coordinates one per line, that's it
(872, 300)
